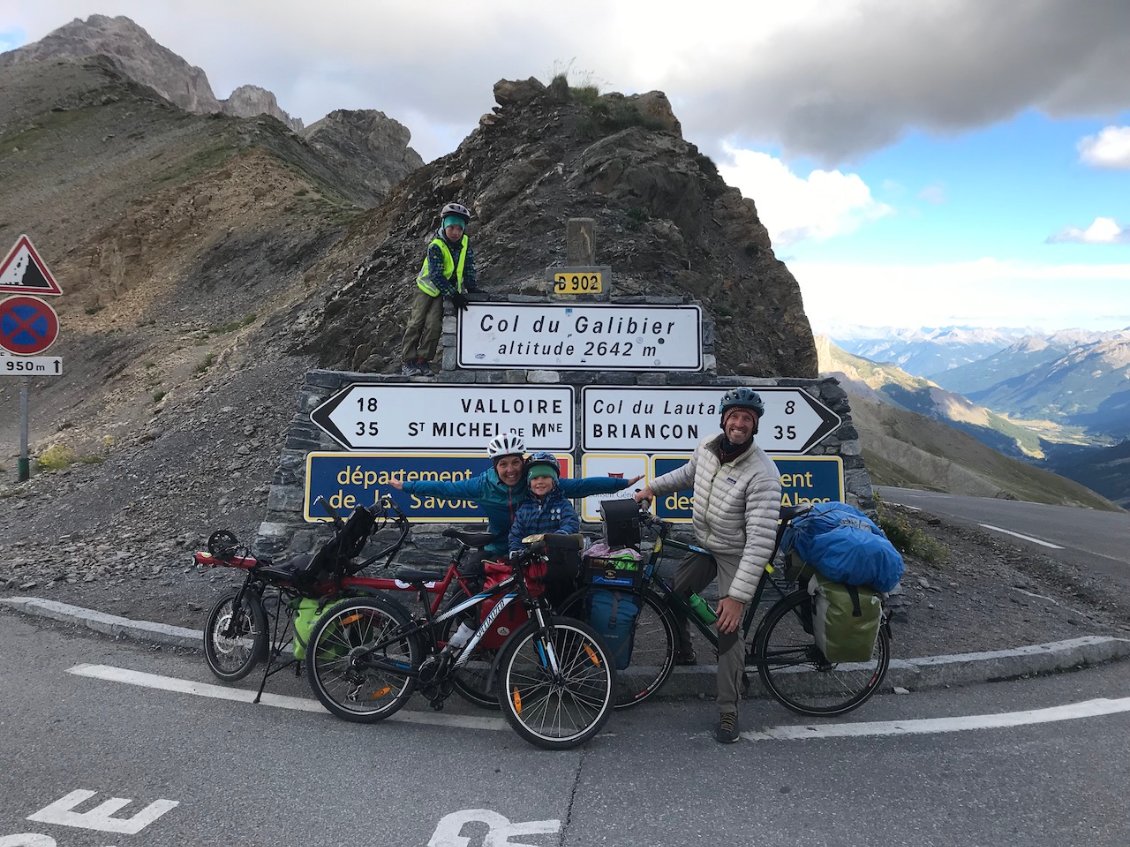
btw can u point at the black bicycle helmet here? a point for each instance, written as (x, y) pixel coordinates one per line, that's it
(743, 398)
(543, 459)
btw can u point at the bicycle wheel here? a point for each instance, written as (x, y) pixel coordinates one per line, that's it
(235, 640)
(654, 642)
(795, 671)
(472, 682)
(556, 708)
(352, 682)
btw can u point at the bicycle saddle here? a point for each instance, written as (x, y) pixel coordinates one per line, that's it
(471, 539)
(285, 572)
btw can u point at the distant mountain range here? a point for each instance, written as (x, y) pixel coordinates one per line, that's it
(1077, 379)
(1060, 400)
(928, 350)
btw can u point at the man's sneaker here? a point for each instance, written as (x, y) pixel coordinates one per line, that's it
(409, 369)
(423, 368)
(727, 731)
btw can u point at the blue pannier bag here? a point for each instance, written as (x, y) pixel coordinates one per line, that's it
(613, 614)
(844, 545)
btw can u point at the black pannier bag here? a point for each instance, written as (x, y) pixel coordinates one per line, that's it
(621, 522)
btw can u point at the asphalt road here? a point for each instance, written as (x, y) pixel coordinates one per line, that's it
(1096, 540)
(916, 773)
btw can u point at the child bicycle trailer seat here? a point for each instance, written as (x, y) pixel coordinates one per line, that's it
(334, 557)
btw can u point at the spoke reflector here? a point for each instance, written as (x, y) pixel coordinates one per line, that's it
(592, 655)
(517, 701)
(351, 619)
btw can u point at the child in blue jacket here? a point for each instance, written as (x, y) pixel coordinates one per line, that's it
(546, 510)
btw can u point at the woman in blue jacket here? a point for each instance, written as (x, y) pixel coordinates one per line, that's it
(500, 490)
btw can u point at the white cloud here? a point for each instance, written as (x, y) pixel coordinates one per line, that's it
(792, 207)
(986, 292)
(1101, 231)
(934, 194)
(832, 80)
(1109, 149)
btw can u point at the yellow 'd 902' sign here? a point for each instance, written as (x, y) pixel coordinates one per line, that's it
(578, 283)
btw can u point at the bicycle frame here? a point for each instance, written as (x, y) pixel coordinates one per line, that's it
(679, 604)
(262, 575)
(511, 589)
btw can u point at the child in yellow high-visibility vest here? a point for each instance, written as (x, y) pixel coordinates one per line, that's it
(448, 271)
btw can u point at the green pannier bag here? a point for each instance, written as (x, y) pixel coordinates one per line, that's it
(307, 612)
(845, 619)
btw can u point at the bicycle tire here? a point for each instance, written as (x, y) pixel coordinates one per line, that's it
(338, 673)
(232, 655)
(654, 642)
(799, 677)
(472, 682)
(563, 710)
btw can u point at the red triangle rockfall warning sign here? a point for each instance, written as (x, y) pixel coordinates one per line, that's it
(23, 272)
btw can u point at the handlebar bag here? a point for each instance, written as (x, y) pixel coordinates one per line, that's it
(621, 517)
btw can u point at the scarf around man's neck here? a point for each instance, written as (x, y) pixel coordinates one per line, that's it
(727, 451)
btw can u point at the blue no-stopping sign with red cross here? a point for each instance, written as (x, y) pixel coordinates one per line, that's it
(27, 325)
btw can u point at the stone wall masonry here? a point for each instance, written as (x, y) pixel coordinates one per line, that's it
(285, 532)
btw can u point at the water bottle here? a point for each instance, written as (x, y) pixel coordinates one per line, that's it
(460, 637)
(702, 610)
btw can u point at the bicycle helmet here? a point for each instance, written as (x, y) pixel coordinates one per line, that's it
(539, 462)
(743, 398)
(457, 209)
(507, 444)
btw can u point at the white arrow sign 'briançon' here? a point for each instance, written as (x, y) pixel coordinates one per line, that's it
(677, 418)
(402, 416)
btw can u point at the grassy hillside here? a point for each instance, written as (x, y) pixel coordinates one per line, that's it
(905, 449)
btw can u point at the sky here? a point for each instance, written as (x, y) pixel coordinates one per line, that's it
(926, 163)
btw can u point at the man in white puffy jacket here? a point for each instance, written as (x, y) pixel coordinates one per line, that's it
(737, 499)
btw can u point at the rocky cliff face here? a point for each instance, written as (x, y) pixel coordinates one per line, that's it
(665, 221)
(247, 101)
(367, 143)
(133, 50)
(143, 60)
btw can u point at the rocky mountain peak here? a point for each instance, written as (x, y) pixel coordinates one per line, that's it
(132, 48)
(666, 223)
(144, 60)
(367, 143)
(247, 101)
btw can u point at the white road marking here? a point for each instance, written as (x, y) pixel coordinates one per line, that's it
(279, 701)
(101, 817)
(1070, 711)
(1025, 537)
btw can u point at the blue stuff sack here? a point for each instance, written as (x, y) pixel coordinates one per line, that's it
(613, 615)
(844, 545)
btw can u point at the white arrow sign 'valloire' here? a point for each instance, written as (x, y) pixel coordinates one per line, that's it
(447, 417)
(676, 419)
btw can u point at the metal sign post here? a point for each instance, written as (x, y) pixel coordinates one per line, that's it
(28, 326)
(24, 466)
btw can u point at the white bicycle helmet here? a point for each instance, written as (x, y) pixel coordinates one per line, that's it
(456, 209)
(507, 444)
